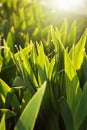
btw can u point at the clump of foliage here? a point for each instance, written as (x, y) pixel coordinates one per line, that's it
(43, 75)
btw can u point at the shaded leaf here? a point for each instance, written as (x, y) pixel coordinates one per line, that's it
(8, 113)
(81, 111)
(66, 114)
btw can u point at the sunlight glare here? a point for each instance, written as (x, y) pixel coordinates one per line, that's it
(67, 5)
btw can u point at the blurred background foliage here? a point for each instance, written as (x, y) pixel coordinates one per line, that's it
(29, 17)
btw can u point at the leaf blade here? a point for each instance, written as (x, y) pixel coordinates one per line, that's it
(29, 115)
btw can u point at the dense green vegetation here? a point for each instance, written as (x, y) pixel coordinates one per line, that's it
(43, 69)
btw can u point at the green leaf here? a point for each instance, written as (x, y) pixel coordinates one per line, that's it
(81, 111)
(25, 51)
(63, 32)
(53, 123)
(8, 96)
(33, 60)
(77, 52)
(72, 35)
(66, 114)
(18, 82)
(84, 125)
(2, 123)
(84, 70)
(1, 62)
(29, 115)
(4, 89)
(55, 37)
(59, 47)
(27, 96)
(7, 53)
(71, 81)
(50, 68)
(28, 68)
(15, 20)
(42, 63)
(47, 29)
(10, 38)
(26, 74)
(36, 33)
(15, 103)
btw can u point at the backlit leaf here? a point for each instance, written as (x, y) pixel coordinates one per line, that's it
(77, 52)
